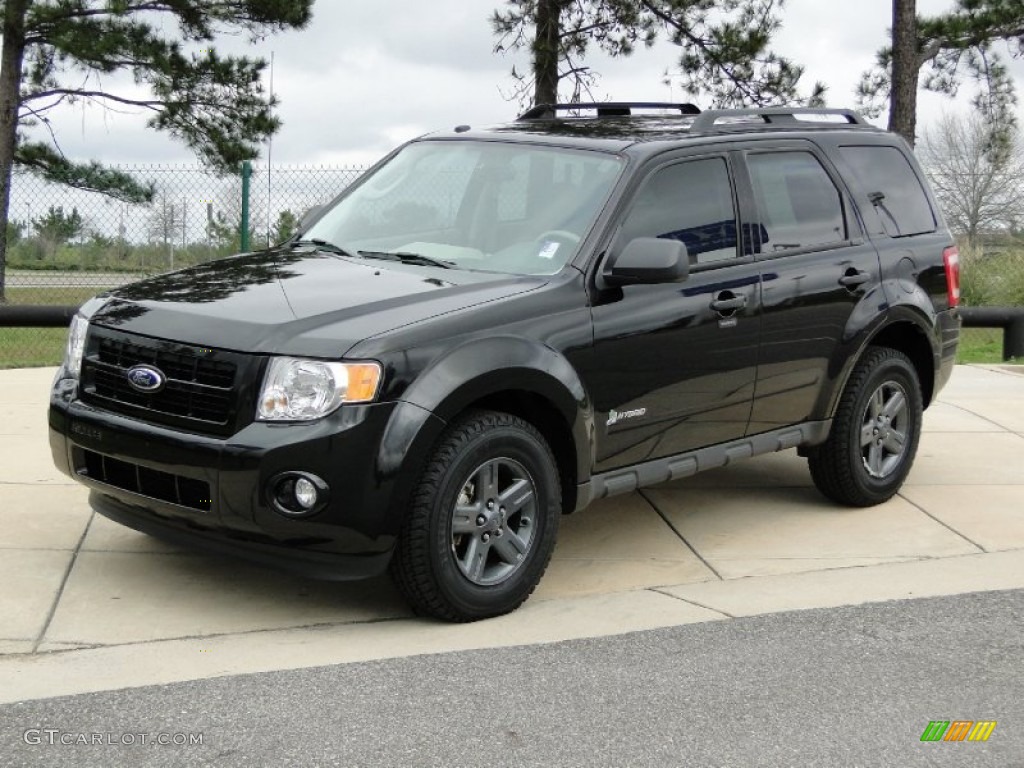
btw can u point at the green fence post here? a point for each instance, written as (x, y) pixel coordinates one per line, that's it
(246, 178)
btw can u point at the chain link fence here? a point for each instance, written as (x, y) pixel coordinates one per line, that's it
(65, 245)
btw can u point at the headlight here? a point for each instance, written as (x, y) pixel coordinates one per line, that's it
(79, 327)
(76, 345)
(302, 390)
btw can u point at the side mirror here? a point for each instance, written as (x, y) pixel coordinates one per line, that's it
(647, 260)
(309, 217)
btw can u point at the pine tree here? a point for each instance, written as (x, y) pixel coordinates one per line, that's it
(56, 52)
(726, 55)
(940, 54)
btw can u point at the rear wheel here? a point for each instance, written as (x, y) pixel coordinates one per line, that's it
(874, 436)
(483, 521)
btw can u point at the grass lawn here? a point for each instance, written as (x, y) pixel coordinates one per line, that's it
(33, 347)
(30, 347)
(981, 345)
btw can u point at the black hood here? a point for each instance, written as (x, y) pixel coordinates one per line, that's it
(297, 302)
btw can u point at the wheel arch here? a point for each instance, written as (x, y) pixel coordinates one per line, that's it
(906, 330)
(911, 339)
(521, 377)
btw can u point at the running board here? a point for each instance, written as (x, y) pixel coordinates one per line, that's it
(627, 479)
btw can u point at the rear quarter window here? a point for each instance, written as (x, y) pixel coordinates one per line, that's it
(891, 184)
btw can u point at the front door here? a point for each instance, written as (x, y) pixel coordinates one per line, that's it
(674, 365)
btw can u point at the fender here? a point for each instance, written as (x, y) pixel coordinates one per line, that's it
(466, 374)
(483, 367)
(913, 307)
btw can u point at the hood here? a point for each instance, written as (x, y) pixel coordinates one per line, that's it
(297, 302)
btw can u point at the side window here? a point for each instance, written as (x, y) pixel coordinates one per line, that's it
(799, 206)
(887, 177)
(691, 202)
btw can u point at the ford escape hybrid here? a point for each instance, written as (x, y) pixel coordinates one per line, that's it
(493, 328)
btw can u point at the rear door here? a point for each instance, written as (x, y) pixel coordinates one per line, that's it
(819, 280)
(674, 365)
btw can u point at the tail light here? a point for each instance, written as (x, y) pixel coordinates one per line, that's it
(951, 260)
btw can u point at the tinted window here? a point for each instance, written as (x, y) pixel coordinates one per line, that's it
(904, 209)
(798, 204)
(691, 202)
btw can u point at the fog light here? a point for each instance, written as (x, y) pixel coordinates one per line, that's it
(297, 493)
(305, 493)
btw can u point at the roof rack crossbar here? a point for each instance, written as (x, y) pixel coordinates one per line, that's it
(769, 116)
(605, 109)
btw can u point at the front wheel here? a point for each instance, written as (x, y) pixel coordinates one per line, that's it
(483, 521)
(875, 432)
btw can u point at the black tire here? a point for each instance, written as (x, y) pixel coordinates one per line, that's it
(864, 461)
(461, 557)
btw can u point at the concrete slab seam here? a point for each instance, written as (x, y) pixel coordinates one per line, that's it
(85, 646)
(63, 583)
(975, 415)
(660, 591)
(643, 495)
(944, 524)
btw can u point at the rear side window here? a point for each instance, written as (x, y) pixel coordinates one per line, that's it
(799, 206)
(886, 175)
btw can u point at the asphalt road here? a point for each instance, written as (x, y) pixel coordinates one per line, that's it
(840, 687)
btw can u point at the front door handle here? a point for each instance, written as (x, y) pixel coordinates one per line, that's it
(727, 301)
(854, 277)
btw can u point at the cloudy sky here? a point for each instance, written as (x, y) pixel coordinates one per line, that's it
(365, 76)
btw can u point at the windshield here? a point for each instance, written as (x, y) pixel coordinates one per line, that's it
(473, 205)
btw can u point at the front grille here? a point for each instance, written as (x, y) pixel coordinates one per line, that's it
(201, 389)
(183, 491)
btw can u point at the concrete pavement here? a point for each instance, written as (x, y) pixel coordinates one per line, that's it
(86, 605)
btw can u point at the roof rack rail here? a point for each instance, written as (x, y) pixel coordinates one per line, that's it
(709, 120)
(604, 109)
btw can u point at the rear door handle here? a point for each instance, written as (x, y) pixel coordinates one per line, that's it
(728, 302)
(854, 277)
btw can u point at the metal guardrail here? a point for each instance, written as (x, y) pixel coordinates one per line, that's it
(36, 316)
(1010, 319)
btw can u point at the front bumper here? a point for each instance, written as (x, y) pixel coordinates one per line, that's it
(148, 477)
(304, 561)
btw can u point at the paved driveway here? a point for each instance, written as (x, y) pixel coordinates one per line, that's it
(86, 605)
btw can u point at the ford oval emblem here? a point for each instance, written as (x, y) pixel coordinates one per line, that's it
(145, 378)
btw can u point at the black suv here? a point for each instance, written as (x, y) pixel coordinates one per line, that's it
(495, 327)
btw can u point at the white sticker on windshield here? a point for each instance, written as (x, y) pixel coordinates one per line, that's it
(549, 249)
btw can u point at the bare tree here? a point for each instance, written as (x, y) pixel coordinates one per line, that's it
(977, 173)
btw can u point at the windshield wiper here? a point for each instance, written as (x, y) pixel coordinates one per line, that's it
(322, 245)
(407, 258)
